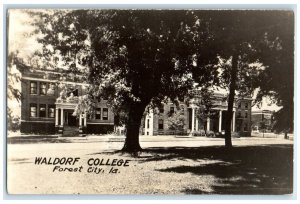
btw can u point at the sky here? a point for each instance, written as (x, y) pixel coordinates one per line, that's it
(20, 39)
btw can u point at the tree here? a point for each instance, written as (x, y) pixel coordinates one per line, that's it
(262, 126)
(204, 103)
(241, 35)
(176, 121)
(136, 59)
(277, 81)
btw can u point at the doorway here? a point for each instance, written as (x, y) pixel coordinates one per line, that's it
(70, 120)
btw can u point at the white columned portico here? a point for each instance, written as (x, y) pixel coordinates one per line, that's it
(56, 117)
(62, 117)
(208, 124)
(220, 121)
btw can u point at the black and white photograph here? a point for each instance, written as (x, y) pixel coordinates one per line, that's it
(150, 101)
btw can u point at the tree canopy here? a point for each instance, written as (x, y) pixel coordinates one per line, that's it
(254, 46)
(139, 58)
(134, 58)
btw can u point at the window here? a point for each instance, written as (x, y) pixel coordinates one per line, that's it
(172, 110)
(43, 88)
(33, 87)
(161, 109)
(42, 111)
(98, 113)
(239, 114)
(105, 114)
(33, 110)
(246, 115)
(239, 106)
(160, 124)
(148, 123)
(75, 92)
(51, 89)
(246, 105)
(246, 127)
(72, 92)
(51, 112)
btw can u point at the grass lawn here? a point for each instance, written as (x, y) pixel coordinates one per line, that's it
(259, 169)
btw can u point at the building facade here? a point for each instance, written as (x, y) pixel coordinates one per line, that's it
(49, 101)
(47, 107)
(157, 122)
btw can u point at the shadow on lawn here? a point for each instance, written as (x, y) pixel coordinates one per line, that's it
(264, 169)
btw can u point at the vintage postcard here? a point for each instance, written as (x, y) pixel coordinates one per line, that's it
(144, 102)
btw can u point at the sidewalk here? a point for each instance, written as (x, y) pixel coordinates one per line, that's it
(19, 139)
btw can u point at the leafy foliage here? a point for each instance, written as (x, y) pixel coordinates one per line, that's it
(134, 58)
(176, 121)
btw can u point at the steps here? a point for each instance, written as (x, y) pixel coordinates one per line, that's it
(71, 131)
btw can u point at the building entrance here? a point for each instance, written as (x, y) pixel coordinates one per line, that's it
(71, 120)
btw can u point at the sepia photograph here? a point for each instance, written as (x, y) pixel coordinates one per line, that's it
(150, 101)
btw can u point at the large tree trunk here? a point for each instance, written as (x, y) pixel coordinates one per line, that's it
(232, 88)
(132, 144)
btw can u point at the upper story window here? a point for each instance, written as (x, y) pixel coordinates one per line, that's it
(51, 89)
(246, 115)
(33, 110)
(161, 109)
(98, 113)
(246, 105)
(239, 105)
(33, 87)
(43, 88)
(105, 114)
(72, 93)
(42, 111)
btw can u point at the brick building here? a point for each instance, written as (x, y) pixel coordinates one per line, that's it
(48, 108)
(156, 122)
(49, 101)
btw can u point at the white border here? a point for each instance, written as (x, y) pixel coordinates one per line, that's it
(217, 4)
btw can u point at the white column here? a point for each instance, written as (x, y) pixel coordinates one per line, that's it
(208, 124)
(233, 122)
(220, 121)
(80, 120)
(151, 116)
(197, 124)
(62, 117)
(145, 129)
(56, 117)
(85, 118)
(193, 119)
